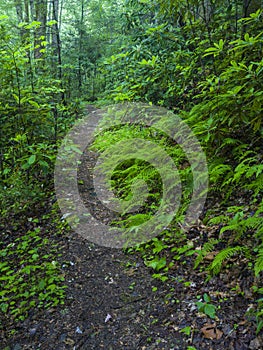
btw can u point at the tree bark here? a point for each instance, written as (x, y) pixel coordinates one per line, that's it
(80, 53)
(56, 44)
(40, 34)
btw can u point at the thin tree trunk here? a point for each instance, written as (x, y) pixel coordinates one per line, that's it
(20, 13)
(56, 43)
(80, 53)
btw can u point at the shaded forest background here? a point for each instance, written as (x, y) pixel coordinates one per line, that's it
(201, 59)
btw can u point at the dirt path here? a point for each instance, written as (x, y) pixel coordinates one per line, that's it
(110, 305)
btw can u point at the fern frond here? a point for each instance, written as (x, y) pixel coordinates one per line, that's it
(207, 248)
(229, 141)
(234, 227)
(240, 170)
(223, 256)
(220, 219)
(218, 171)
(245, 155)
(259, 262)
(255, 170)
(247, 168)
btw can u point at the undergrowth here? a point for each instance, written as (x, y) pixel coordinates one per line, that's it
(227, 119)
(31, 276)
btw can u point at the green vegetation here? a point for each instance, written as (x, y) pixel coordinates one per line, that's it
(26, 282)
(206, 306)
(202, 60)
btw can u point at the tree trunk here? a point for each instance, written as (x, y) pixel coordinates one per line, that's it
(20, 13)
(56, 45)
(250, 6)
(80, 53)
(40, 34)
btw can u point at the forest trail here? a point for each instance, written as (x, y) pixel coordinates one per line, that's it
(199, 289)
(112, 302)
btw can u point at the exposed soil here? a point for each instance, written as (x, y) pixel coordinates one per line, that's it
(106, 284)
(110, 304)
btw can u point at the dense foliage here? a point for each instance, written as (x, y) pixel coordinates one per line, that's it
(32, 120)
(203, 60)
(200, 59)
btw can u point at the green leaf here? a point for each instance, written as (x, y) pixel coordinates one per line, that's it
(6, 171)
(4, 307)
(44, 164)
(157, 264)
(34, 24)
(200, 306)
(33, 103)
(31, 160)
(210, 310)
(221, 44)
(51, 23)
(25, 166)
(41, 284)
(207, 298)
(186, 330)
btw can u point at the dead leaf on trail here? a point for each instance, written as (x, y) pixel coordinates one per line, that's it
(69, 341)
(211, 332)
(130, 272)
(210, 256)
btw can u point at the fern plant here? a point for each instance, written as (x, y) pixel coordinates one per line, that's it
(223, 256)
(206, 249)
(259, 262)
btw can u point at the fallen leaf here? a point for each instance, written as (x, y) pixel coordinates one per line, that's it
(242, 323)
(130, 272)
(211, 332)
(210, 256)
(69, 341)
